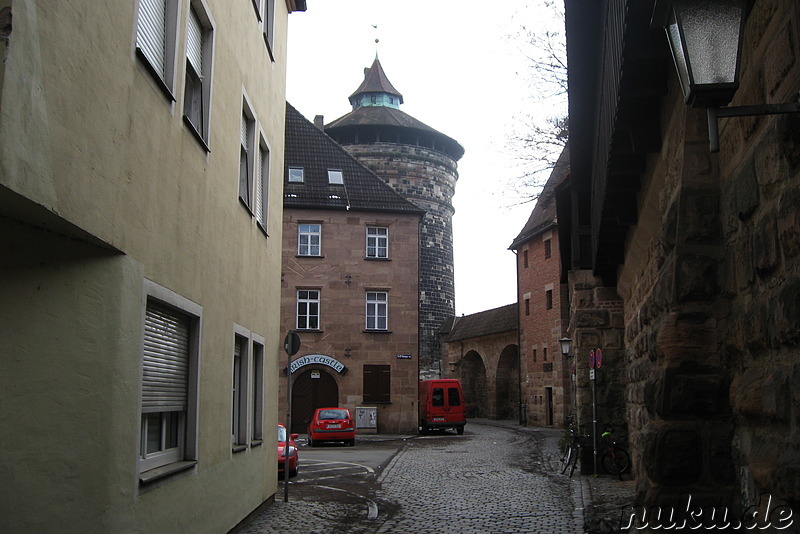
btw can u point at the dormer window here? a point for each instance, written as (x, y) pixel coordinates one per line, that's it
(335, 177)
(296, 174)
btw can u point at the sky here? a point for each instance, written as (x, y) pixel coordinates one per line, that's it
(460, 69)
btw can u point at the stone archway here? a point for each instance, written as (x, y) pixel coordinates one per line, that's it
(473, 382)
(507, 384)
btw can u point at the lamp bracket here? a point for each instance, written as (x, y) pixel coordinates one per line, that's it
(714, 114)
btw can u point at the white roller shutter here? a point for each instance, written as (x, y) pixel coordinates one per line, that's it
(166, 359)
(263, 161)
(151, 32)
(194, 43)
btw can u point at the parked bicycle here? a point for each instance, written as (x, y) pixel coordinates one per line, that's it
(571, 450)
(615, 460)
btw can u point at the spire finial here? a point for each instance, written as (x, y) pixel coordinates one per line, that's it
(377, 40)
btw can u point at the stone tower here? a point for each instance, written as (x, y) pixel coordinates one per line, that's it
(419, 163)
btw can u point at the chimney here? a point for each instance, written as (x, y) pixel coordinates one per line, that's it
(319, 122)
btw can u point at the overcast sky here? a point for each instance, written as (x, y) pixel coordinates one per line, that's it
(459, 68)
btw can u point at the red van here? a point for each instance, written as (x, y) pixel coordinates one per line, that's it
(441, 405)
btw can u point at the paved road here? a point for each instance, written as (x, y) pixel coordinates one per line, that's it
(490, 480)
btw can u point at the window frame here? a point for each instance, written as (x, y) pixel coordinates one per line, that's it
(197, 85)
(296, 181)
(378, 238)
(247, 156)
(310, 234)
(262, 182)
(268, 26)
(240, 401)
(378, 306)
(308, 301)
(257, 396)
(335, 177)
(153, 466)
(164, 75)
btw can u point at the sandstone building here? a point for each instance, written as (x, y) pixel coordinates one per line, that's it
(420, 164)
(141, 238)
(699, 249)
(350, 285)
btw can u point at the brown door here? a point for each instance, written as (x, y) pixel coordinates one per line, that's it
(309, 393)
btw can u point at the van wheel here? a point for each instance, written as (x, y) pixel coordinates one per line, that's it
(423, 430)
(460, 430)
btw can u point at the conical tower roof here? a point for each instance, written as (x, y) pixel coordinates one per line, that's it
(375, 82)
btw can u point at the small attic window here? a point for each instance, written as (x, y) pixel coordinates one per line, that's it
(296, 174)
(335, 177)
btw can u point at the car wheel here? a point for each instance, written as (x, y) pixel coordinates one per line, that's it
(311, 442)
(352, 442)
(460, 430)
(293, 472)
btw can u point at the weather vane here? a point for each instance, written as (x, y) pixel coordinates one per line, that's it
(377, 40)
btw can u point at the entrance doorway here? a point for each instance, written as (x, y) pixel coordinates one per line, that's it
(312, 389)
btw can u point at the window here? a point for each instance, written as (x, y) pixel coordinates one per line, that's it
(156, 30)
(377, 242)
(527, 306)
(309, 238)
(377, 383)
(548, 296)
(547, 250)
(534, 354)
(308, 309)
(239, 390)
(257, 408)
(296, 174)
(335, 177)
(269, 26)
(168, 431)
(262, 184)
(197, 90)
(437, 397)
(544, 354)
(525, 259)
(453, 397)
(246, 157)
(377, 306)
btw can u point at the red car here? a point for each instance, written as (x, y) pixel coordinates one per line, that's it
(331, 424)
(294, 459)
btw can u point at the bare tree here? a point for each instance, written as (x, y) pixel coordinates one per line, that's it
(539, 136)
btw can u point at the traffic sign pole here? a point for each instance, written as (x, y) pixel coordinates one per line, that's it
(291, 344)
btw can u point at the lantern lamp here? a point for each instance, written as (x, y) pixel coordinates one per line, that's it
(705, 37)
(566, 345)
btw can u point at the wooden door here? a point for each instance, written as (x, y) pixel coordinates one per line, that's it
(309, 393)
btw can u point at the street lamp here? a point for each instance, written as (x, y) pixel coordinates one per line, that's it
(566, 345)
(705, 37)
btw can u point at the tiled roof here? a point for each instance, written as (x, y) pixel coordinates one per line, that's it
(543, 215)
(310, 148)
(496, 321)
(375, 81)
(393, 118)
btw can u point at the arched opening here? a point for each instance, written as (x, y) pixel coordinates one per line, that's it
(473, 382)
(312, 389)
(507, 384)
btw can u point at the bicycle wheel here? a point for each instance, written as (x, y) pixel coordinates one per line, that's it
(574, 462)
(566, 456)
(616, 462)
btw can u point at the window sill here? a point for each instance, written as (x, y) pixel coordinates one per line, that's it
(375, 402)
(310, 256)
(193, 129)
(164, 471)
(256, 443)
(370, 258)
(369, 331)
(309, 330)
(238, 447)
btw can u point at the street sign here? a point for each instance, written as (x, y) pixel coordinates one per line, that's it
(598, 358)
(591, 359)
(591, 374)
(291, 344)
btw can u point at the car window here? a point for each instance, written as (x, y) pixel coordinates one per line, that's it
(333, 414)
(438, 397)
(453, 398)
(281, 434)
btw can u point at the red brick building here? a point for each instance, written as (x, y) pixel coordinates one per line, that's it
(545, 374)
(350, 284)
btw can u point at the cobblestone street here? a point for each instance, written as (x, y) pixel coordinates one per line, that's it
(494, 479)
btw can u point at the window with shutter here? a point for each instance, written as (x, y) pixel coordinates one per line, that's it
(246, 159)
(168, 430)
(199, 48)
(262, 185)
(156, 31)
(377, 383)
